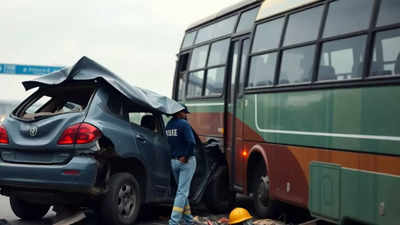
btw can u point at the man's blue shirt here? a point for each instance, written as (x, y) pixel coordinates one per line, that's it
(180, 138)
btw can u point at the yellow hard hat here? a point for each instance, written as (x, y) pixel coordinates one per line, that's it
(238, 215)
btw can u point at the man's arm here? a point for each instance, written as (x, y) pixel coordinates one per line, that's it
(189, 138)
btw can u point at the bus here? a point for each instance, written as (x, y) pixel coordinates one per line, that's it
(302, 99)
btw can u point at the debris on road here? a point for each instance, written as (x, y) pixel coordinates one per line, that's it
(216, 220)
(67, 216)
(267, 222)
(222, 220)
(74, 218)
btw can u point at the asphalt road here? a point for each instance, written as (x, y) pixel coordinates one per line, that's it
(156, 215)
(148, 216)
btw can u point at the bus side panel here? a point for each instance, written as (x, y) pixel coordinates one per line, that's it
(338, 193)
(287, 179)
(353, 128)
(208, 124)
(355, 119)
(290, 175)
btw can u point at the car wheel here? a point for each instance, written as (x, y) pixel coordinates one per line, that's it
(218, 197)
(264, 207)
(122, 201)
(26, 210)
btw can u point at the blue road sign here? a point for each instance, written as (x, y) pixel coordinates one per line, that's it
(27, 69)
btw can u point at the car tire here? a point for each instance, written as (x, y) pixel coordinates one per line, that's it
(218, 197)
(26, 210)
(122, 202)
(264, 207)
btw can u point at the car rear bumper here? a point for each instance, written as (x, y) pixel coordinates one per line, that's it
(78, 175)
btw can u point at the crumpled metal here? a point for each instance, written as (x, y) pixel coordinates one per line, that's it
(88, 70)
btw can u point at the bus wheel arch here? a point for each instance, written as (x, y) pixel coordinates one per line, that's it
(258, 184)
(257, 159)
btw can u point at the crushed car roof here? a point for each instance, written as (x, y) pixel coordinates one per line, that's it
(86, 69)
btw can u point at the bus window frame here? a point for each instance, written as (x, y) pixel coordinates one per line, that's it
(202, 86)
(175, 93)
(285, 17)
(194, 40)
(212, 40)
(240, 17)
(232, 35)
(191, 57)
(364, 80)
(206, 68)
(380, 77)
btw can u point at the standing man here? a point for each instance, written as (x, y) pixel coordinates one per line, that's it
(183, 163)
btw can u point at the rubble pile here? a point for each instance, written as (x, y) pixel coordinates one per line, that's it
(222, 220)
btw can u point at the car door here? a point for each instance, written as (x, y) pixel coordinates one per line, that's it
(154, 148)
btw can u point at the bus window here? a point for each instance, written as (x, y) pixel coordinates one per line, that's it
(199, 57)
(181, 87)
(195, 84)
(215, 81)
(297, 65)
(389, 12)
(247, 20)
(345, 16)
(189, 39)
(219, 53)
(183, 62)
(218, 29)
(388, 63)
(342, 59)
(268, 35)
(182, 68)
(303, 26)
(245, 53)
(262, 70)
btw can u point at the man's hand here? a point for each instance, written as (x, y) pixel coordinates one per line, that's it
(183, 159)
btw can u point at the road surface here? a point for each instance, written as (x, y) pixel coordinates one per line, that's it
(148, 216)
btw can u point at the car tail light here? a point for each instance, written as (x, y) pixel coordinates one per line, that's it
(87, 133)
(3, 135)
(71, 172)
(81, 133)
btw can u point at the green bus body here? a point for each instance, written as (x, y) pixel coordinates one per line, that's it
(331, 146)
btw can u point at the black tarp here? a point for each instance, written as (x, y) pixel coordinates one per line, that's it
(86, 69)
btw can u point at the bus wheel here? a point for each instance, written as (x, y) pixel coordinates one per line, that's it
(264, 207)
(218, 198)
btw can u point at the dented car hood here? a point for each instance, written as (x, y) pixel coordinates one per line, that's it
(86, 69)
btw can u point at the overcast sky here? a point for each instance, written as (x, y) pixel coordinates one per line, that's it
(137, 39)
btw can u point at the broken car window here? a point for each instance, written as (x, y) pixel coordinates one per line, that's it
(54, 101)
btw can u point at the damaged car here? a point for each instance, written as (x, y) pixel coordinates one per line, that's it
(86, 138)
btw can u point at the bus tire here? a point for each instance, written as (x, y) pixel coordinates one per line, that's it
(218, 197)
(264, 207)
(122, 202)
